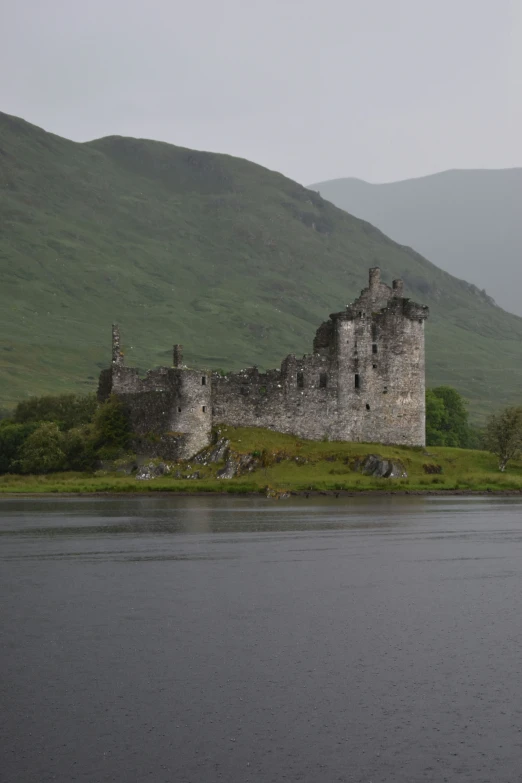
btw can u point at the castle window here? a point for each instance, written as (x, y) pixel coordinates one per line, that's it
(204, 380)
(367, 406)
(179, 410)
(204, 408)
(323, 380)
(357, 382)
(374, 366)
(374, 348)
(300, 380)
(385, 390)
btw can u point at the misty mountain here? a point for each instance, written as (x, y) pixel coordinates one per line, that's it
(468, 222)
(236, 262)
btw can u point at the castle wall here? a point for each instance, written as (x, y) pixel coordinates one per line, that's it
(381, 388)
(363, 382)
(171, 404)
(300, 398)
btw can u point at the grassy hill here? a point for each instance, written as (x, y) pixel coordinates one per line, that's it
(238, 263)
(467, 222)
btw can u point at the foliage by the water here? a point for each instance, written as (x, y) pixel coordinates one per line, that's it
(70, 432)
(447, 419)
(66, 410)
(503, 436)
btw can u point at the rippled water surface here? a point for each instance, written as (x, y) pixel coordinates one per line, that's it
(219, 639)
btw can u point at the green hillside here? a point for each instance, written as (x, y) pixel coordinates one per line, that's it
(236, 262)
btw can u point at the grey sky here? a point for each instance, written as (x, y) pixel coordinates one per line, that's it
(378, 89)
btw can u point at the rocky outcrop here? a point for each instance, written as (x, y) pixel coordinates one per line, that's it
(238, 465)
(377, 466)
(215, 453)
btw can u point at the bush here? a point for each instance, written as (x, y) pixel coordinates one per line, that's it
(12, 439)
(447, 419)
(44, 450)
(67, 410)
(111, 429)
(503, 436)
(80, 450)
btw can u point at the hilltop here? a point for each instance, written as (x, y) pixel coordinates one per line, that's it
(465, 221)
(238, 263)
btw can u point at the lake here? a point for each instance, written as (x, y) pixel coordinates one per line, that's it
(194, 640)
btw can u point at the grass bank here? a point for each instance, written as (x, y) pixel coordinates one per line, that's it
(295, 465)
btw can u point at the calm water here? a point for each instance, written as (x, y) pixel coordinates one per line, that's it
(212, 639)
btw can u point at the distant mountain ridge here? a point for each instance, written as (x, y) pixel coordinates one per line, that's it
(236, 262)
(467, 221)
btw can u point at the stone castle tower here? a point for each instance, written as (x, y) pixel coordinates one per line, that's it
(364, 381)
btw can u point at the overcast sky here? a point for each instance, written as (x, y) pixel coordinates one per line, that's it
(317, 89)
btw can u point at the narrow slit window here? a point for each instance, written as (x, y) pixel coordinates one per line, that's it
(374, 366)
(374, 348)
(357, 382)
(204, 380)
(367, 406)
(179, 410)
(204, 408)
(300, 380)
(323, 380)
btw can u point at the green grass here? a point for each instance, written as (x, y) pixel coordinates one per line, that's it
(320, 466)
(238, 263)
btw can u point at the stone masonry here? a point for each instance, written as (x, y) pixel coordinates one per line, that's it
(364, 381)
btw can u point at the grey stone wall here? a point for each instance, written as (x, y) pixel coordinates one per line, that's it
(169, 404)
(364, 381)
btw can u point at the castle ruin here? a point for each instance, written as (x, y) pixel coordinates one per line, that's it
(364, 381)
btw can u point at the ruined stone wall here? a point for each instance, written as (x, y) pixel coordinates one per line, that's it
(281, 400)
(364, 381)
(381, 377)
(170, 404)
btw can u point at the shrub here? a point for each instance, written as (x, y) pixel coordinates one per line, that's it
(44, 450)
(80, 449)
(67, 410)
(12, 439)
(112, 431)
(503, 435)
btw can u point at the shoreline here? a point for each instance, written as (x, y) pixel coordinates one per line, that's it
(286, 494)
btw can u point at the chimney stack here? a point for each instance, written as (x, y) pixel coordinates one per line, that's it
(177, 355)
(117, 354)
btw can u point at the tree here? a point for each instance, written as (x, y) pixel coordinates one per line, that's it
(503, 436)
(67, 410)
(112, 431)
(12, 439)
(446, 418)
(80, 450)
(43, 451)
(435, 419)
